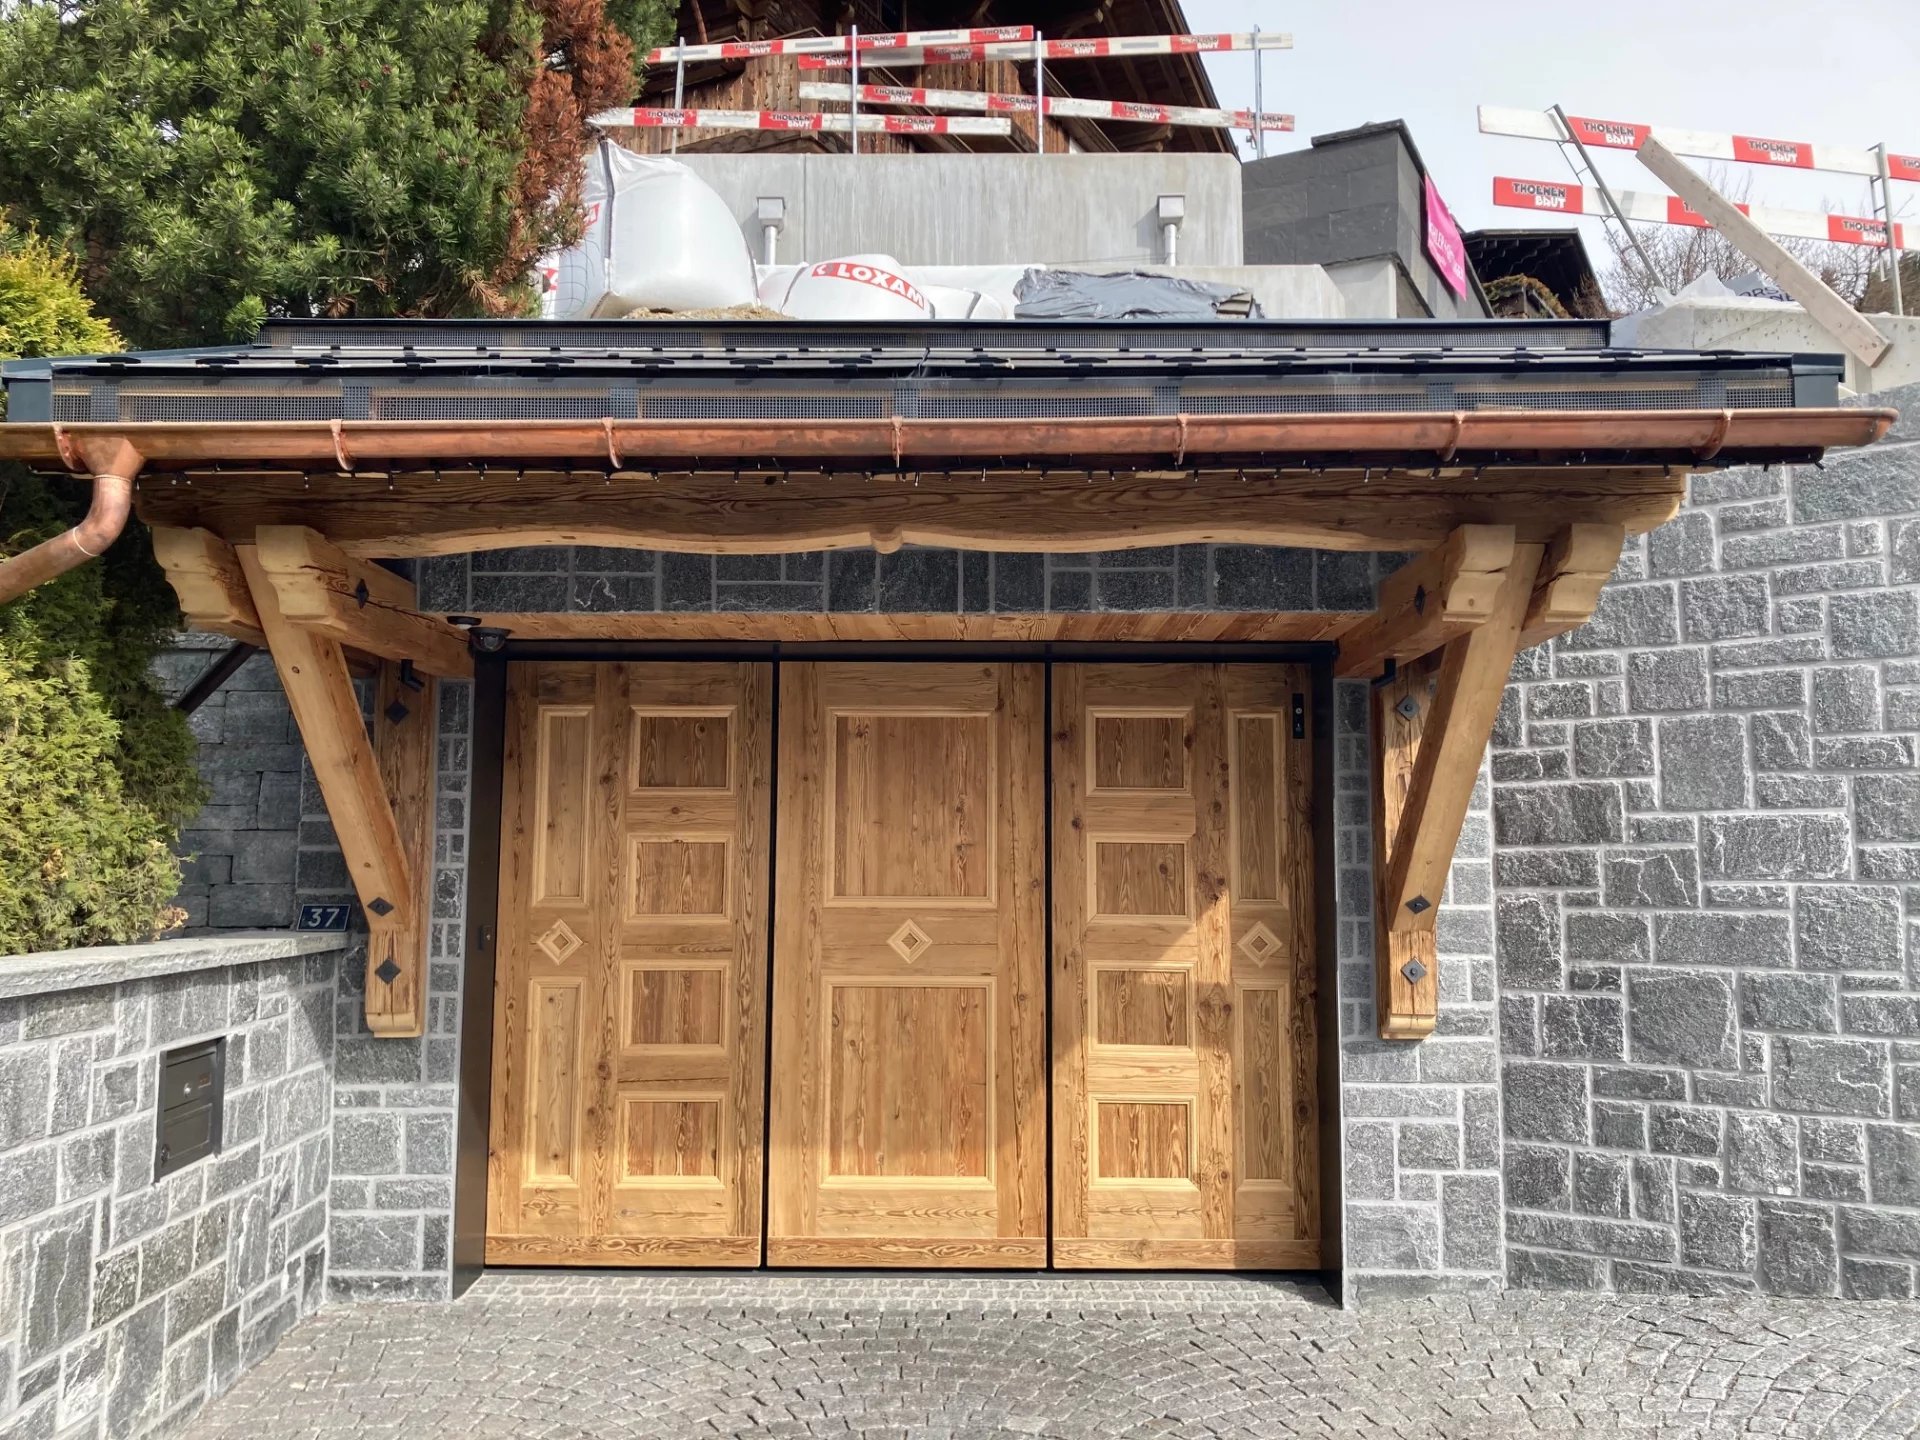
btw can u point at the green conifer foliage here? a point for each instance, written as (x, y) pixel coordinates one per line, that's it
(96, 769)
(215, 162)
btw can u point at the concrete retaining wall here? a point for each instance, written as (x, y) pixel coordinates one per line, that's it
(985, 209)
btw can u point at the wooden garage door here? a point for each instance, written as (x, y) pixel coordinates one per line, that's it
(908, 1046)
(1184, 1130)
(629, 1035)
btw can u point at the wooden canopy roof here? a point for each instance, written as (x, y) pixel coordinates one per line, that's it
(1515, 458)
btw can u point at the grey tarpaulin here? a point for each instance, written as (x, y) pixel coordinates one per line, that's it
(1128, 295)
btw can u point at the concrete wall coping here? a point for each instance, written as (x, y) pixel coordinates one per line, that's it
(49, 971)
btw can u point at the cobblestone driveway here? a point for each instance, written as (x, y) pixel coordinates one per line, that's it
(537, 1356)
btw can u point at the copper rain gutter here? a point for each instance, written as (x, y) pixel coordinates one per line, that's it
(114, 453)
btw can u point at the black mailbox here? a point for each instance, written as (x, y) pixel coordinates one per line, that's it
(193, 1086)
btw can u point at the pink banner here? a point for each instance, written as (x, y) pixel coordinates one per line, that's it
(1444, 246)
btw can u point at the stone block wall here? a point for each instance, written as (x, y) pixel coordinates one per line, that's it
(243, 848)
(1706, 844)
(924, 581)
(394, 1100)
(125, 1303)
(1421, 1175)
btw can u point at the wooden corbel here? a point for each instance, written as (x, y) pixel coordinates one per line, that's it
(205, 574)
(378, 792)
(1429, 601)
(1578, 563)
(323, 589)
(1432, 719)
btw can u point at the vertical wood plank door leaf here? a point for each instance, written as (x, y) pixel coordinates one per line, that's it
(630, 1034)
(908, 1107)
(1185, 1132)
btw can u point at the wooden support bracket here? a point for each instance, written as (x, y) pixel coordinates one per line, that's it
(1432, 721)
(1578, 564)
(205, 575)
(322, 588)
(405, 740)
(1427, 602)
(379, 794)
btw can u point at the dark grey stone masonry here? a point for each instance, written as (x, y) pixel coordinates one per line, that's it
(1706, 848)
(586, 578)
(125, 1302)
(243, 848)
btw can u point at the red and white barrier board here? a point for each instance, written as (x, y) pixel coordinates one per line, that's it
(1563, 198)
(1101, 48)
(833, 123)
(990, 102)
(1701, 144)
(834, 44)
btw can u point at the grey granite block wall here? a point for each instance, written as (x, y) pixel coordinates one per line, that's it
(1421, 1170)
(1707, 851)
(922, 581)
(395, 1099)
(240, 871)
(126, 1302)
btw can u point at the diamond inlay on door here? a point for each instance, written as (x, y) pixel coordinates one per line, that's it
(910, 942)
(558, 942)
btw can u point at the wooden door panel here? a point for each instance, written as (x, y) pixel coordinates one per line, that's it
(629, 1045)
(908, 971)
(1183, 968)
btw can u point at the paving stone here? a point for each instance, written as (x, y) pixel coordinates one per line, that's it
(668, 1357)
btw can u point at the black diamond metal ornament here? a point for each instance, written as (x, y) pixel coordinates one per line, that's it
(1413, 970)
(1407, 708)
(396, 712)
(380, 905)
(1419, 903)
(388, 971)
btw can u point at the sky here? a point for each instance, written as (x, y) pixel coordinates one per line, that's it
(1836, 72)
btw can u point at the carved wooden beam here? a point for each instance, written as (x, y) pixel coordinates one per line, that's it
(1578, 564)
(1430, 600)
(414, 514)
(322, 588)
(205, 575)
(386, 863)
(1432, 722)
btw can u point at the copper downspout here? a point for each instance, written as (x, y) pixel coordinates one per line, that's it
(114, 464)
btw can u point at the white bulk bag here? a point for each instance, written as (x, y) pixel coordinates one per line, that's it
(951, 302)
(657, 237)
(853, 287)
